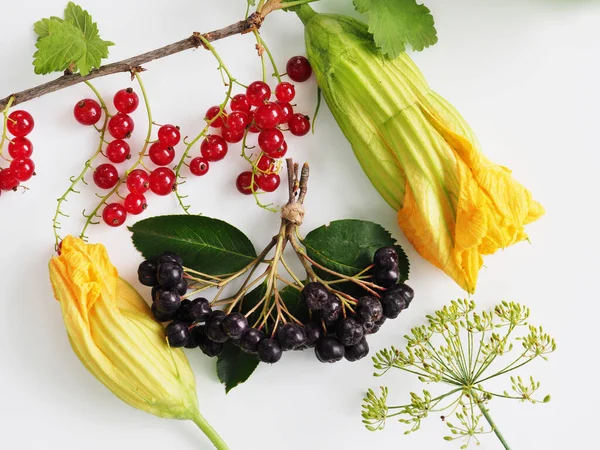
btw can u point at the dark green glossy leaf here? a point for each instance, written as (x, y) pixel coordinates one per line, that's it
(234, 366)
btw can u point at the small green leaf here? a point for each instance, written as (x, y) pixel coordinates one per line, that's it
(207, 245)
(234, 366)
(41, 26)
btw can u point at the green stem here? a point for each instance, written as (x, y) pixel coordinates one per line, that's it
(495, 429)
(305, 13)
(4, 125)
(210, 432)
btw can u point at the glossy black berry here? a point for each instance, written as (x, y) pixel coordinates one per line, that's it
(161, 316)
(147, 273)
(329, 350)
(169, 274)
(405, 290)
(393, 304)
(250, 340)
(216, 314)
(291, 336)
(183, 313)
(169, 257)
(315, 296)
(214, 330)
(192, 342)
(182, 287)
(386, 258)
(314, 332)
(349, 331)
(386, 277)
(167, 301)
(356, 352)
(368, 311)
(235, 325)
(208, 347)
(200, 310)
(269, 351)
(332, 309)
(177, 334)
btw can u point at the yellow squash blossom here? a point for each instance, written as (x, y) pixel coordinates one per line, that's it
(453, 204)
(113, 333)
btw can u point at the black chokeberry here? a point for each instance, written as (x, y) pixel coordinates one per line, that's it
(182, 287)
(269, 351)
(332, 309)
(386, 258)
(208, 347)
(250, 340)
(147, 273)
(177, 334)
(291, 336)
(169, 257)
(235, 325)
(356, 352)
(329, 350)
(373, 327)
(405, 290)
(314, 332)
(349, 331)
(216, 314)
(315, 296)
(169, 274)
(183, 313)
(368, 310)
(192, 342)
(161, 316)
(385, 277)
(393, 304)
(167, 301)
(214, 330)
(200, 310)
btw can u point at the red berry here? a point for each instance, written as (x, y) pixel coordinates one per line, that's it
(162, 181)
(120, 126)
(231, 136)
(270, 140)
(298, 69)
(138, 181)
(299, 124)
(20, 147)
(243, 182)
(169, 135)
(237, 121)
(126, 101)
(258, 92)
(118, 151)
(253, 128)
(268, 182)
(267, 116)
(114, 215)
(215, 111)
(279, 152)
(199, 166)
(287, 111)
(106, 176)
(240, 102)
(135, 204)
(20, 123)
(213, 148)
(161, 155)
(285, 92)
(265, 164)
(8, 182)
(87, 112)
(22, 168)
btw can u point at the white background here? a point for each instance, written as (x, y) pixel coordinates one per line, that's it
(525, 74)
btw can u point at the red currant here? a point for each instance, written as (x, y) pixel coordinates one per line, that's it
(267, 116)
(285, 92)
(253, 128)
(162, 181)
(258, 92)
(120, 126)
(240, 102)
(138, 181)
(265, 164)
(161, 155)
(106, 176)
(126, 101)
(270, 140)
(135, 204)
(214, 112)
(114, 215)
(22, 168)
(8, 182)
(213, 148)
(87, 111)
(169, 135)
(287, 111)
(199, 166)
(230, 136)
(298, 69)
(268, 182)
(243, 183)
(118, 151)
(20, 123)
(237, 121)
(20, 147)
(299, 124)
(279, 152)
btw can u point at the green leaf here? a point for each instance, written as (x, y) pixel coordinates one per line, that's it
(235, 366)
(207, 245)
(396, 23)
(41, 26)
(348, 246)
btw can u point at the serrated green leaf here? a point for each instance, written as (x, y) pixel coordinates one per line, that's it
(235, 366)
(207, 245)
(396, 23)
(41, 26)
(348, 246)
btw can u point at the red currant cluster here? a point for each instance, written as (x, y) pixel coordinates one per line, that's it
(21, 167)
(255, 112)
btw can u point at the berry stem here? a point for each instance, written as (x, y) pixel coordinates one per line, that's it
(263, 44)
(4, 126)
(486, 414)
(210, 432)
